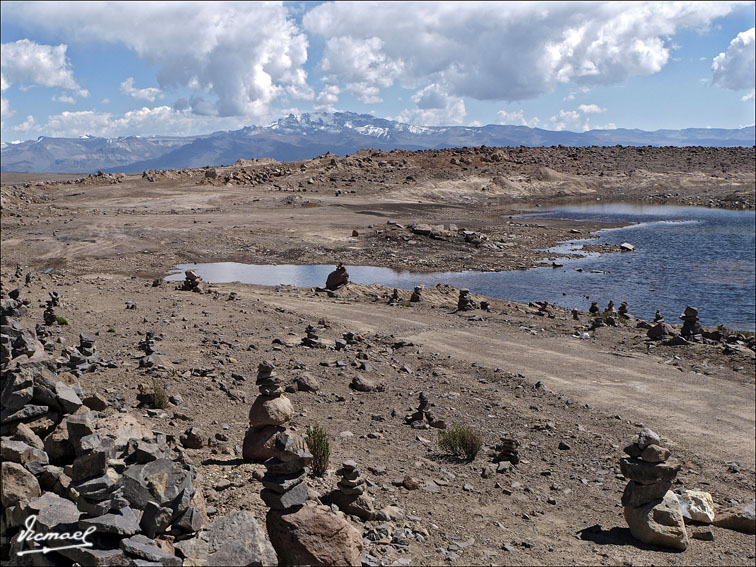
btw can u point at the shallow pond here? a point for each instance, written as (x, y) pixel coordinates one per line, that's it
(683, 256)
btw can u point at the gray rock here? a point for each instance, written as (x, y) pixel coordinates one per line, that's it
(26, 413)
(739, 518)
(155, 519)
(297, 496)
(90, 465)
(237, 539)
(22, 432)
(649, 473)
(654, 454)
(95, 557)
(54, 514)
(17, 484)
(80, 425)
(159, 481)
(282, 483)
(66, 397)
(362, 384)
(20, 452)
(145, 548)
(647, 437)
(636, 494)
(122, 522)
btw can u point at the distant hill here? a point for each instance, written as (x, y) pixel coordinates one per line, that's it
(304, 136)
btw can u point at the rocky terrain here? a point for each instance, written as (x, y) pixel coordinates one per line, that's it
(125, 379)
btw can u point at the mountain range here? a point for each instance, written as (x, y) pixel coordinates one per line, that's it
(303, 136)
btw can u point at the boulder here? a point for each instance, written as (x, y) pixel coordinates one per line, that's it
(696, 505)
(17, 484)
(270, 411)
(314, 536)
(738, 518)
(238, 539)
(659, 522)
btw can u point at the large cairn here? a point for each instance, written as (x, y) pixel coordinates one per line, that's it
(192, 282)
(652, 510)
(423, 418)
(465, 301)
(337, 278)
(284, 484)
(691, 325)
(270, 411)
(417, 294)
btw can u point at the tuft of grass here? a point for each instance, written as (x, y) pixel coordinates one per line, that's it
(317, 444)
(463, 441)
(159, 395)
(110, 330)
(61, 320)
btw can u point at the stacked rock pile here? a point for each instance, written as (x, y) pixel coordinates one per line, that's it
(49, 316)
(312, 339)
(691, 325)
(284, 485)
(417, 294)
(423, 418)
(623, 309)
(76, 469)
(270, 411)
(192, 282)
(594, 309)
(349, 495)
(337, 278)
(610, 307)
(147, 344)
(652, 510)
(83, 358)
(506, 450)
(394, 299)
(465, 301)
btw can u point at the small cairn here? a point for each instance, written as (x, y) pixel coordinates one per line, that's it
(337, 278)
(691, 325)
(485, 306)
(147, 344)
(192, 282)
(652, 510)
(623, 309)
(610, 307)
(49, 315)
(658, 317)
(284, 484)
(311, 339)
(594, 308)
(423, 418)
(506, 450)
(349, 495)
(465, 301)
(394, 299)
(417, 294)
(351, 483)
(270, 411)
(86, 346)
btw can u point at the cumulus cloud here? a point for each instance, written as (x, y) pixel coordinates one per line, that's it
(149, 93)
(735, 69)
(31, 63)
(516, 118)
(434, 108)
(159, 121)
(590, 108)
(64, 98)
(578, 119)
(498, 50)
(327, 98)
(26, 126)
(244, 55)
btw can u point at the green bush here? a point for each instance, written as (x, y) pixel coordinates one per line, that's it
(159, 395)
(461, 440)
(317, 444)
(61, 320)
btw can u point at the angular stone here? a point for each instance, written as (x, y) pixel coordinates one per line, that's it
(659, 522)
(190, 521)
(236, 539)
(259, 443)
(95, 557)
(649, 473)
(80, 425)
(66, 397)
(123, 522)
(270, 411)
(647, 437)
(155, 519)
(54, 514)
(58, 447)
(145, 548)
(696, 506)
(313, 536)
(195, 551)
(122, 427)
(654, 454)
(22, 432)
(17, 484)
(192, 438)
(26, 413)
(362, 384)
(638, 494)
(90, 465)
(20, 452)
(282, 483)
(96, 402)
(306, 383)
(276, 466)
(99, 488)
(160, 481)
(296, 496)
(739, 518)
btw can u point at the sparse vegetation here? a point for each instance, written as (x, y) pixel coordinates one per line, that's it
(463, 441)
(317, 443)
(61, 320)
(159, 395)
(110, 330)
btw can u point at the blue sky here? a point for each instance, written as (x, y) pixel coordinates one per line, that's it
(150, 68)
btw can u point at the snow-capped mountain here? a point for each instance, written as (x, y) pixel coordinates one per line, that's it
(306, 135)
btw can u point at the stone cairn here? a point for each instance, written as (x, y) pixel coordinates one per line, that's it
(623, 309)
(337, 278)
(465, 301)
(270, 411)
(417, 294)
(423, 418)
(610, 307)
(350, 496)
(192, 282)
(49, 315)
(147, 344)
(691, 325)
(506, 450)
(311, 339)
(394, 299)
(284, 485)
(658, 317)
(652, 510)
(594, 308)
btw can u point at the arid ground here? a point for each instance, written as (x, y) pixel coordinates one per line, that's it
(513, 371)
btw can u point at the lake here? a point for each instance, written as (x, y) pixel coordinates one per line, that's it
(683, 256)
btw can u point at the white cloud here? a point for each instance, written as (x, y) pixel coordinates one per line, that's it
(590, 108)
(736, 69)
(158, 121)
(26, 126)
(516, 118)
(243, 55)
(749, 96)
(578, 119)
(5, 110)
(498, 50)
(327, 98)
(30, 63)
(434, 108)
(149, 93)
(64, 98)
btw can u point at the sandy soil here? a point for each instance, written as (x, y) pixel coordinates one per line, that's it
(510, 371)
